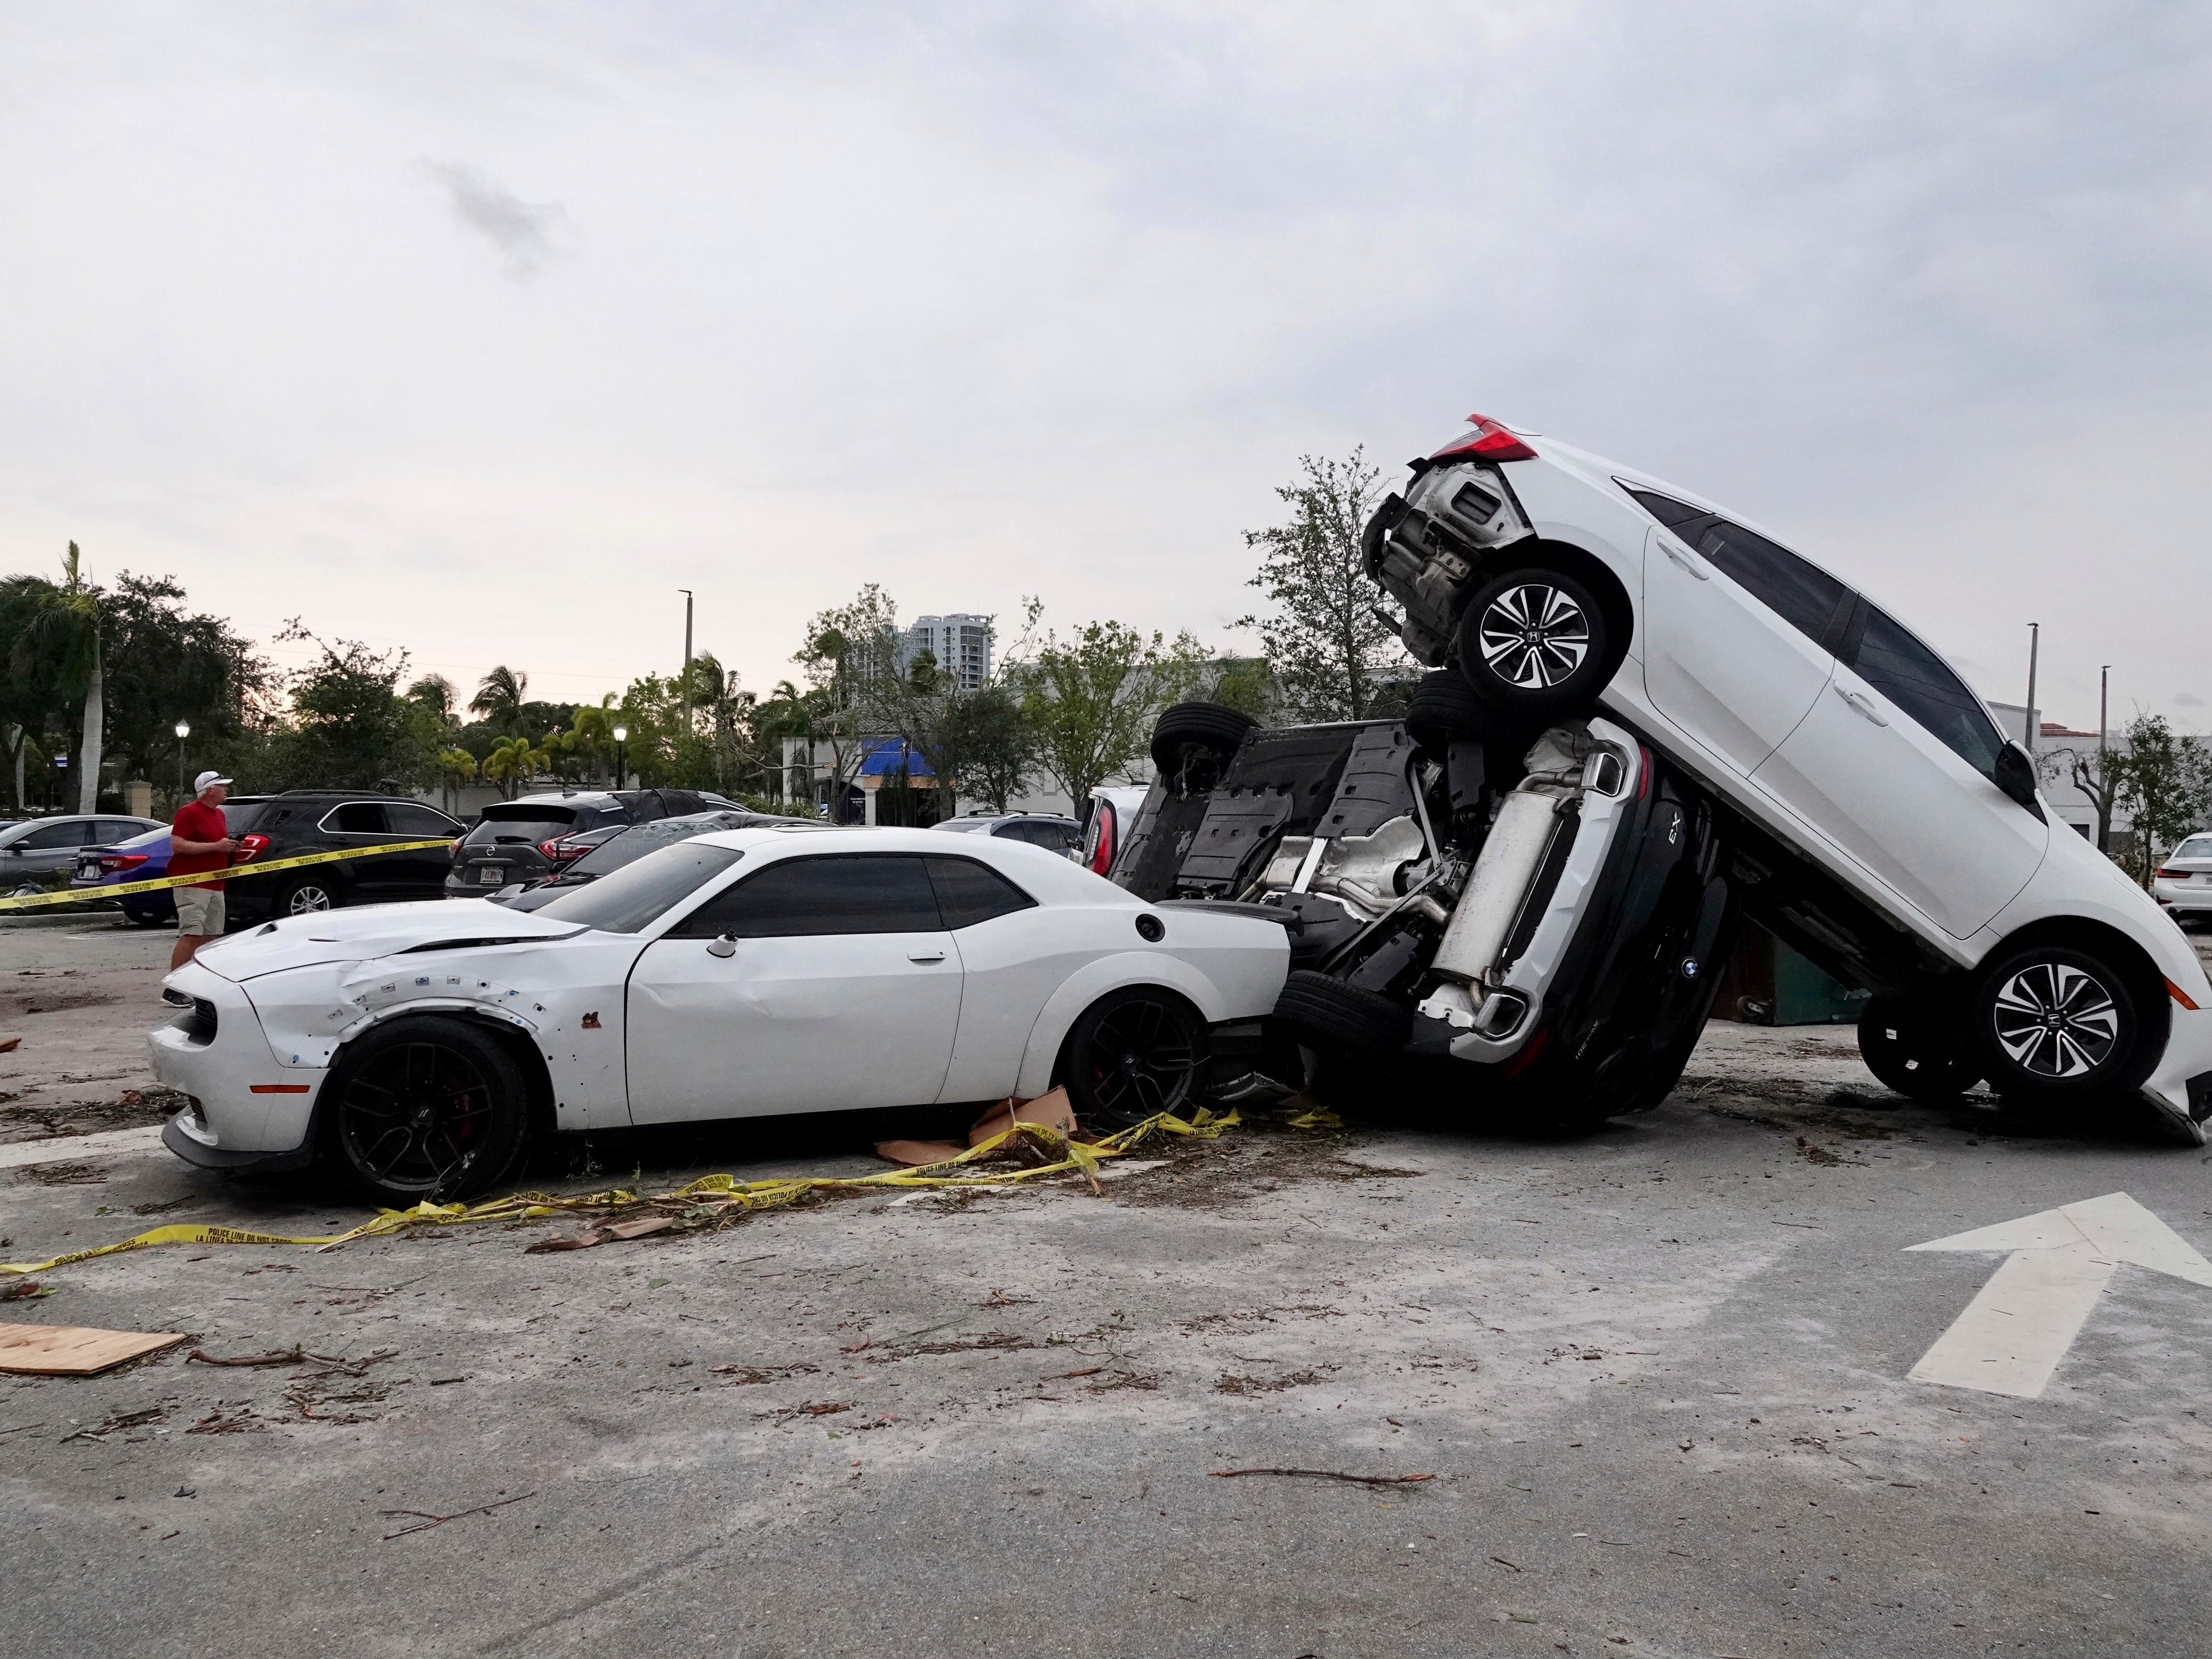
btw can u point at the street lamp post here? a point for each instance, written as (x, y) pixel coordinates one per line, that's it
(621, 770)
(184, 730)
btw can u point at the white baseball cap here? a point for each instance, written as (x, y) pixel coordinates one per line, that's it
(207, 778)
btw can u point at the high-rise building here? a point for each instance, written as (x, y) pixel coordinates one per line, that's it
(961, 644)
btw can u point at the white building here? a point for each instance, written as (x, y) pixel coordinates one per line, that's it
(961, 645)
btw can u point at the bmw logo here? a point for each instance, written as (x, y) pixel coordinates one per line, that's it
(1689, 967)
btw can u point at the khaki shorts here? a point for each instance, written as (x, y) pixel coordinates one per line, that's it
(199, 910)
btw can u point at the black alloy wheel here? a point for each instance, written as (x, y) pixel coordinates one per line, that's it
(1535, 641)
(2056, 1025)
(308, 896)
(1134, 1053)
(427, 1108)
(1921, 1052)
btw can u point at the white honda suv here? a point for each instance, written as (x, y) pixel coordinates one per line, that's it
(1886, 827)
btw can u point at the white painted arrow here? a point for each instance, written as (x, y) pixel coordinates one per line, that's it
(2019, 1325)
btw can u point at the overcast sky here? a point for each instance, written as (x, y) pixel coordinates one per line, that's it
(482, 329)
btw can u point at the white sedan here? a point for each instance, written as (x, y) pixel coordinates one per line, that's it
(415, 1048)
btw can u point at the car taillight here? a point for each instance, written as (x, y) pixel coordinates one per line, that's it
(249, 847)
(2171, 875)
(1489, 440)
(1101, 852)
(559, 851)
(111, 862)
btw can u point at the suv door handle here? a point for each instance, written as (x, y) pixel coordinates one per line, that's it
(1859, 706)
(926, 955)
(1681, 554)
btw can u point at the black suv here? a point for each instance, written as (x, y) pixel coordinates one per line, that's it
(331, 821)
(529, 839)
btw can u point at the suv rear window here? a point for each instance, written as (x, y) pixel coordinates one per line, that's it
(520, 825)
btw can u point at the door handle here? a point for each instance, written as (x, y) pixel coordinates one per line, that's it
(1859, 706)
(926, 955)
(1681, 554)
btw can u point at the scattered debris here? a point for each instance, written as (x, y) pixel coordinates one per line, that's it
(66, 1174)
(236, 1419)
(810, 1408)
(75, 1350)
(1334, 1474)
(291, 1356)
(426, 1520)
(1231, 1383)
(116, 1423)
(744, 1376)
(23, 1289)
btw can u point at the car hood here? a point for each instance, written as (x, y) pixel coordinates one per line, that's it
(381, 930)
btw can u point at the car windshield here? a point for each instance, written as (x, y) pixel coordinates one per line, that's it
(637, 895)
(628, 846)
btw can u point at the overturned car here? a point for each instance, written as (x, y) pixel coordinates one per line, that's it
(1544, 908)
(1647, 720)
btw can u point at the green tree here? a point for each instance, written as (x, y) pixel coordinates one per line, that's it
(1090, 699)
(849, 650)
(456, 768)
(1332, 657)
(57, 640)
(501, 698)
(2164, 783)
(165, 664)
(992, 748)
(512, 763)
(350, 728)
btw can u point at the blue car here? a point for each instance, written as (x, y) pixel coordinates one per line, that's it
(142, 858)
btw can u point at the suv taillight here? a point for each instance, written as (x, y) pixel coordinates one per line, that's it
(249, 847)
(1489, 440)
(559, 851)
(1102, 850)
(111, 862)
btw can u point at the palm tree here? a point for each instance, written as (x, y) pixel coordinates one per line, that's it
(60, 633)
(500, 698)
(511, 761)
(435, 692)
(455, 768)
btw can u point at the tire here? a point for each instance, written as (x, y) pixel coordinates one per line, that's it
(1212, 729)
(2056, 1026)
(430, 1107)
(309, 894)
(1918, 1052)
(1534, 642)
(1340, 1021)
(1134, 1053)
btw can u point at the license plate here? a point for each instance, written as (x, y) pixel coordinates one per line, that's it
(491, 875)
(88, 869)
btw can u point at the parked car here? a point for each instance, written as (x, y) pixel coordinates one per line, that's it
(1108, 815)
(2182, 883)
(1053, 831)
(36, 848)
(745, 973)
(1876, 818)
(607, 850)
(520, 841)
(273, 827)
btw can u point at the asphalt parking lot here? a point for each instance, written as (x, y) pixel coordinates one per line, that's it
(1659, 1377)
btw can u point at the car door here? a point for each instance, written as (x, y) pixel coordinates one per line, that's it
(1894, 766)
(1014, 954)
(356, 823)
(49, 848)
(813, 984)
(1738, 631)
(423, 871)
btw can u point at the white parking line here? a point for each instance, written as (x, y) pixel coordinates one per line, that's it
(107, 1144)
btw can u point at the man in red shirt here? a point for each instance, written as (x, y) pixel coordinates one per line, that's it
(199, 840)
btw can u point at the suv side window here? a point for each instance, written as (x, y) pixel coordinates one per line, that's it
(1914, 679)
(968, 891)
(842, 893)
(356, 817)
(1809, 599)
(419, 822)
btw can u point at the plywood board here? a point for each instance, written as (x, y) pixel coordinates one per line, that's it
(73, 1350)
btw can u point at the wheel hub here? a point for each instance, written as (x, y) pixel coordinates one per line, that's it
(2054, 1020)
(1534, 636)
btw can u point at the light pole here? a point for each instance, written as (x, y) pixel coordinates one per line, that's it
(184, 730)
(686, 592)
(2104, 761)
(622, 771)
(2028, 721)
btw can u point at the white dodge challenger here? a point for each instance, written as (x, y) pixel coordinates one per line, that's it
(415, 1049)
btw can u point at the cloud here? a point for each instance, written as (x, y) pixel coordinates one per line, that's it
(2187, 700)
(518, 228)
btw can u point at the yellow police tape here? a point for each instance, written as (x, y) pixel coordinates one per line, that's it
(700, 1200)
(232, 873)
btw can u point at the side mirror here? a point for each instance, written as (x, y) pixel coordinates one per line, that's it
(727, 946)
(2014, 774)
